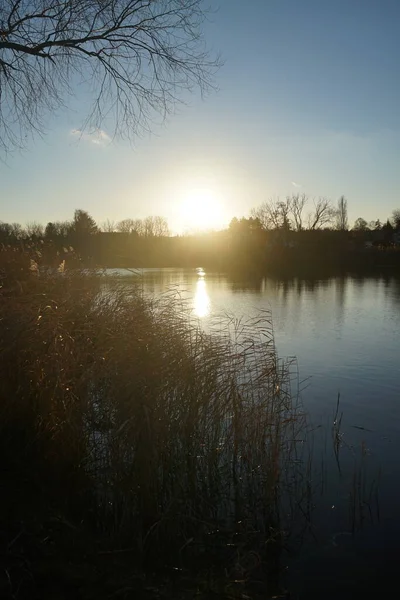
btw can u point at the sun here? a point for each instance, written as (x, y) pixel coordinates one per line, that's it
(201, 209)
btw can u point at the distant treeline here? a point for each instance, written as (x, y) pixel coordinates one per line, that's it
(279, 235)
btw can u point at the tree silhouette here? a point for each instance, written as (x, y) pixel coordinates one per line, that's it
(396, 218)
(11, 232)
(136, 57)
(130, 226)
(273, 214)
(288, 214)
(245, 226)
(108, 226)
(50, 231)
(322, 215)
(360, 224)
(83, 224)
(388, 229)
(297, 203)
(155, 227)
(149, 227)
(34, 230)
(342, 221)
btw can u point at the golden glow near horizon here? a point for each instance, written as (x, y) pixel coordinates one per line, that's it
(201, 209)
(201, 299)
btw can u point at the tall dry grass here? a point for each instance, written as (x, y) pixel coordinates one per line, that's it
(122, 419)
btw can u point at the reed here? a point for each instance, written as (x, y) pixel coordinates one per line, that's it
(127, 424)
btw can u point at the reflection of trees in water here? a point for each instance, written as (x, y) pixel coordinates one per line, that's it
(313, 285)
(389, 284)
(284, 288)
(294, 293)
(301, 285)
(392, 286)
(341, 286)
(387, 281)
(312, 299)
(358, 284)
(247, 284)
(165, 277)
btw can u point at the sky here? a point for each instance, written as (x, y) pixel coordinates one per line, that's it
(308, 101)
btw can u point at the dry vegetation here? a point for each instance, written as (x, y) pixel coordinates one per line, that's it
(130, 437)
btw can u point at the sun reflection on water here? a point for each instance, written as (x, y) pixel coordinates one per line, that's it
(201, 299)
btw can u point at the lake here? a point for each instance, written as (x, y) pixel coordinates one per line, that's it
(345, 333)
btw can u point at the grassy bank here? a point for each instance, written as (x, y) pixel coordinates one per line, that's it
(141, 457)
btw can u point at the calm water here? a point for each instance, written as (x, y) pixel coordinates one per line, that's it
(345, 333)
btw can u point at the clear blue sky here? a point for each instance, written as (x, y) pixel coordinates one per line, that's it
(309, 93)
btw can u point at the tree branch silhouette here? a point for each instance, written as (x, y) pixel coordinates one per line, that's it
(137, 57)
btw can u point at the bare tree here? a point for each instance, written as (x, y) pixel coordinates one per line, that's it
(161, 227)
(124, 226)
(17, 231)
(148, 227)
(155, 227)
(323, 214)
(130, 226)
(266, 213)
(34, 229)
(137, 226)
(297, 204)
(108, 226)
(274, 213)
(342, 221)
(10, 232)
(136, 57)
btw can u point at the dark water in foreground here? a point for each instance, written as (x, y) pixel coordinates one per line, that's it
(345, 333)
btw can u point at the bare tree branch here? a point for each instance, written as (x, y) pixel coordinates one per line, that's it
(136, 56)
(273, 214)
(323, 214)
(155, 227)
(108, 226)
(148, 227)
(34, 229)
(297, 204)
(130, 226)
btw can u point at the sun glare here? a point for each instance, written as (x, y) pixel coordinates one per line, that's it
(201, 209)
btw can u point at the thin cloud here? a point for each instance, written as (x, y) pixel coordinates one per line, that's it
(296, 185)
(98, 137)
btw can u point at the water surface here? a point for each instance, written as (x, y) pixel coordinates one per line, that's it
(345, 333)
